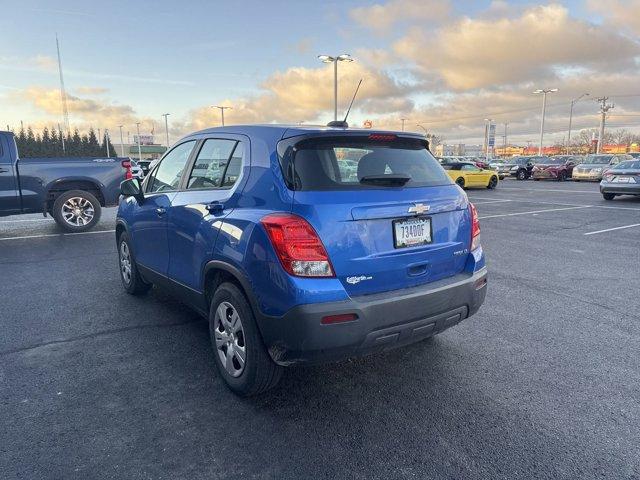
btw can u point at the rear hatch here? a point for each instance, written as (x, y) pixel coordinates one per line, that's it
(387, 213)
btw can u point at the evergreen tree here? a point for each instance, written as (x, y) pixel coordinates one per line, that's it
(75, 144)
(56, 146)
(94, 147)
(30, 144)
(46, 147)
(21, 141)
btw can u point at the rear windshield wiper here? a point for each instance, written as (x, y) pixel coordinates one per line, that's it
(389, 180)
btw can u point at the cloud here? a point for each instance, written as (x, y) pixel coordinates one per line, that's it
(45, 62)
(306, 94)
(625, 13)
(381, 17)
(91, 90)
(535, 46)
(302, 46)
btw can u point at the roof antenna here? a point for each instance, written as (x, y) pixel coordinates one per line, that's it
(343, 123)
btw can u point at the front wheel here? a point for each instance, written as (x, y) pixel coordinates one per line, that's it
(460, 182)
(129, 274)
(76, 211)
(562, 176)
(522, 175)
(493, 182)
(239, 352)
(608, 196)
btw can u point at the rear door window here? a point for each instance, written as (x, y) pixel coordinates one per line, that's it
(348, 163)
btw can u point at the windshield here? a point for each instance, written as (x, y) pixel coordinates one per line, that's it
(628, 165)
(335, 163)
(597, 159)
(556, 161)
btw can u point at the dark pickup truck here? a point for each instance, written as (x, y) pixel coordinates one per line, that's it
(71, 190)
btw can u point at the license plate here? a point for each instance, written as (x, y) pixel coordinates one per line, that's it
(411, 232)
(621, 179)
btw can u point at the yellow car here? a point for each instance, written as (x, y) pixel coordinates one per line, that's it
(469, 175)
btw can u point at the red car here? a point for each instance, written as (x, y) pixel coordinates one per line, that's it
(557, 168)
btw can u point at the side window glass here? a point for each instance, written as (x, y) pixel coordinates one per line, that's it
(211, 163)
(234, 167)
(166, 177)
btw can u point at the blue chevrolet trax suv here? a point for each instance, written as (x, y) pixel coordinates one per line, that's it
(303, 244)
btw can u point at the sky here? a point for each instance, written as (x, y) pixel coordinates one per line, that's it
(445, 65)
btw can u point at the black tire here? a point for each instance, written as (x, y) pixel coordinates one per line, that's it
(88, 205)
(260, 373)
(562, 176)
(133, 283)
(575, 180)
(460, 182)
(521, 175)
(493, 182)
(536, 179)
(608, 196)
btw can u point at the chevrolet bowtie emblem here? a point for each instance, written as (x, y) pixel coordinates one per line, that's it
(419, 208)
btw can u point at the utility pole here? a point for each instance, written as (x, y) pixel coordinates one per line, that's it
(403, 120)
(99, 136)
(139, 148)
(222, 109)
(106, 141)
(121, 140)
(166, 127)
(604, 108)
(63, 92)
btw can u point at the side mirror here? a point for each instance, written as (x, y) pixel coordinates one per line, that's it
(132, 187)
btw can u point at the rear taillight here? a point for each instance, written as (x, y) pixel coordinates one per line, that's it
(475, 227)
(382, 137)
(297, 245)
(126, 164)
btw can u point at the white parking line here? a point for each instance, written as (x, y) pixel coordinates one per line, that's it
(490, 201)
(55, 235)
(515, 200)
(612, 229)
(535, 211)
(550, 190)
(27, 220)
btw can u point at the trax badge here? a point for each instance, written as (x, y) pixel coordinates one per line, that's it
(354, 280)
(419, 208)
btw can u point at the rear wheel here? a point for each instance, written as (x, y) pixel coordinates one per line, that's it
(562, 176)
(522, 175)
(460, 182)
(493, 182)
(76, 211)
(240, 354)
(608, 196)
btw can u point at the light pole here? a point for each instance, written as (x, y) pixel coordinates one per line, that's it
(544, 92)
(487, 136)
(139, 148)
(423, 128)
(222, 109)
(106, 141)
(166, 127)
(121, 141)
(345, 57)
(403, 120)
(573, 102)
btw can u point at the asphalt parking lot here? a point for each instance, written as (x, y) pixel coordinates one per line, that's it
(544, 382)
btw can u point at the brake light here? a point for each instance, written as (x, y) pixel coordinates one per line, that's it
(297, 245)
(475, 227)
(382, 137)
(126, 164)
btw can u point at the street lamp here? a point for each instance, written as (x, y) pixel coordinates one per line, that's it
(544, 92)
(222, 109)
(403, 120)
(139, 147)
(166, 127)
(345, 57)
(487, 134)
(121, 140)
(423, 128)
(573, 102)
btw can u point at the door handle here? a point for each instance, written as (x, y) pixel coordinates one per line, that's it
(215, 207)
(161, 211)
(3, 170)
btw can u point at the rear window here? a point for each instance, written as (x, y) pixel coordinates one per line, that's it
(348, 163)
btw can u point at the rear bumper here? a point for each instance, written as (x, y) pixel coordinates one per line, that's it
(544, 175)
(620, 188)
(385, 320)
(593, 177)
